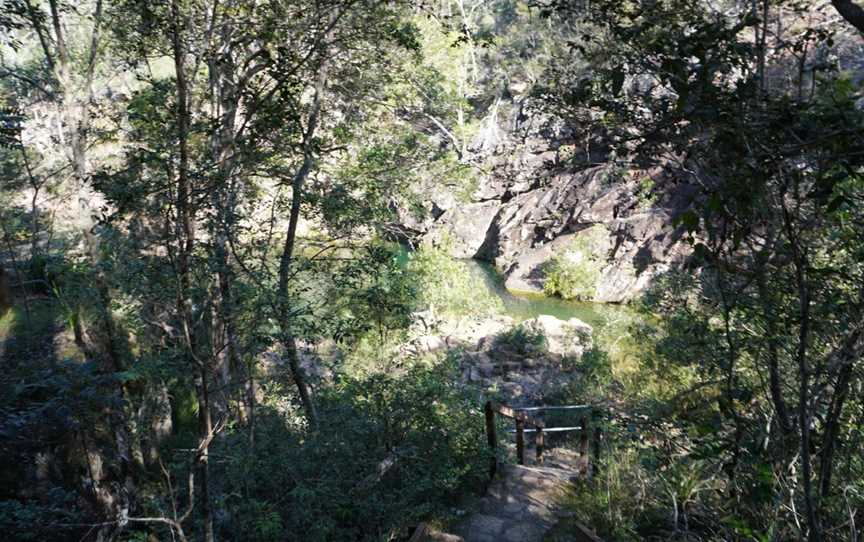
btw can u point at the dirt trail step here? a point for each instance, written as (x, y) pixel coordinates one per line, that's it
(521, 505)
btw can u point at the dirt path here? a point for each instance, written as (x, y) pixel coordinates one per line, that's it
(521, 504)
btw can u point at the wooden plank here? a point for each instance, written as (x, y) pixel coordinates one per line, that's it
(504, 410)
(560, 407)
(583, 437)
(550, 429)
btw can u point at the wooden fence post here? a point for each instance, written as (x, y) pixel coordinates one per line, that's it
(595, 461)
(520, 441)
(540, 442)
(490, 437)
(583, 444)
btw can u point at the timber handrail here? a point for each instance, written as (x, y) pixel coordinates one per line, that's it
(518, 414)
(554, 407)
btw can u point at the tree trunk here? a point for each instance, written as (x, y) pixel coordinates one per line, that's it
(775, 385)
(851, 350)
(762, 44)
(205, 429)
(223, 94)
(185, 233)
(5, 298)
(815, 533)
(289, 336)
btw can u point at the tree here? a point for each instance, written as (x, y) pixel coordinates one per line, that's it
(235, 96)
(685, 87)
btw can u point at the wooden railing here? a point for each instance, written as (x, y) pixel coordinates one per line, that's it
(538, 427)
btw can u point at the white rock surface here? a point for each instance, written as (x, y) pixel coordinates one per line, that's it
(566, 338)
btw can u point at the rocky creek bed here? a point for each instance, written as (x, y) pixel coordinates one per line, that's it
(519, 361)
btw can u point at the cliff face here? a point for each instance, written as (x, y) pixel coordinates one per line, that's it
(543, 197)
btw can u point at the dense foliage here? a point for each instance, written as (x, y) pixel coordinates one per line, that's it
(763, 123)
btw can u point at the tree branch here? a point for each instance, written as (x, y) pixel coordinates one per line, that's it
(852, 12)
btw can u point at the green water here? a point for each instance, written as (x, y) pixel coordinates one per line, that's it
(522, 307)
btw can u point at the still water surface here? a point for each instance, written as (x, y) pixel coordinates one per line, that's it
(522, 307)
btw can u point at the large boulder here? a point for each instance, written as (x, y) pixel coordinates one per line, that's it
(462, 230)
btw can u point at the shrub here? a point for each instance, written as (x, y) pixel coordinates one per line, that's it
(574, 274)
(331, 485)
(521, 340)
(446, 285)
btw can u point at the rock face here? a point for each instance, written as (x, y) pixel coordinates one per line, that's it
(533, 204)
(462, 229)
